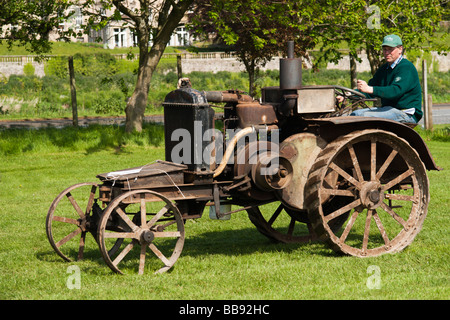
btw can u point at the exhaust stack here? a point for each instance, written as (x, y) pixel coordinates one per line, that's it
(290, 80)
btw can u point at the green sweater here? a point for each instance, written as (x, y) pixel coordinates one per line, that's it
(398, 87)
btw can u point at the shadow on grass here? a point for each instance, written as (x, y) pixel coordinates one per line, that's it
(91, 139)
(240, 242)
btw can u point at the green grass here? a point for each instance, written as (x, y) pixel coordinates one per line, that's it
(220, 260)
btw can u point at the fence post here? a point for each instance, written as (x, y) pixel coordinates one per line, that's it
(425, 94)
(430, 112)
(73, 93)
(179, 69)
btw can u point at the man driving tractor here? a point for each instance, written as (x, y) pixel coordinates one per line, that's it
(397, 84)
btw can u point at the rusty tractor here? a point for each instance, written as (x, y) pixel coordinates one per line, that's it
(301, 169)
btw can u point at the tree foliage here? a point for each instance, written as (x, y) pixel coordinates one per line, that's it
(29, 22)
(362, 25)
(257, 30)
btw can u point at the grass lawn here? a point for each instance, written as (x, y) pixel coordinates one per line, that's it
(220, 260)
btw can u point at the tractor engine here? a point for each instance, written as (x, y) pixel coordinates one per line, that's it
(247, 149)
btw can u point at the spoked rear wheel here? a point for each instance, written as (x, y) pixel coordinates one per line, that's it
(382, 185)
(281, 224)
(138, 222)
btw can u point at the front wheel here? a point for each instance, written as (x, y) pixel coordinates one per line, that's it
(138, 222)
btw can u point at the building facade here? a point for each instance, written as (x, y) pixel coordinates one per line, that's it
(116, 34)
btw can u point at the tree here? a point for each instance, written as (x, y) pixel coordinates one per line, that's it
(257, 30)
(29, 23)
(363, 24)
(151, 20)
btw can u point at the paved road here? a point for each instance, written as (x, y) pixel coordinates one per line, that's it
(441, 115)
(59, 123)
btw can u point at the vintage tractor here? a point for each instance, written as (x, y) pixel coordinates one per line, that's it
(301, 168)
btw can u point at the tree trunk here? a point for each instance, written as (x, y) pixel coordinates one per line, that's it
(136, 105)
(353, 74)
(250, 67)
(374, 59)
(148, 60)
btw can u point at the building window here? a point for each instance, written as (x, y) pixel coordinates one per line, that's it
(120, 37)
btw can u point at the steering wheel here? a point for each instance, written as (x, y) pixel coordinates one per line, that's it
(357, 99)
(354, 95)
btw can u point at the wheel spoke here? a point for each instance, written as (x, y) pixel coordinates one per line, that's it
(125, 218)
(66, 220)
(167, 234)
(120, 235)
(75, 205)
(291, 227)
(342, 210)
(336, 192)
(393, 214)
(158, 215)
(123, 253)
(351, 150)
(373, 159)
(381, 228)
(402, 197)
(386, 164)
(143, 211)
(345, 175)
(399, 179)
(82, 244)
(159, 254)
(91, 199)
(275, 214)
(366, 231)
(349, 226)
(142, 259)
(278, 223)
(68, 237)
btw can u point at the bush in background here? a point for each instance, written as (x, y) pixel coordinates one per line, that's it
(28, 69)
(104, 84)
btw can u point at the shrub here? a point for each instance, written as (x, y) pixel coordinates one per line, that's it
(28, 69)
(57, 66)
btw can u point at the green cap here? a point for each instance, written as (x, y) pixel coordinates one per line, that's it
(392, 40)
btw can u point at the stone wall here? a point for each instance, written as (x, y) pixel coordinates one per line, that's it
(14, 65)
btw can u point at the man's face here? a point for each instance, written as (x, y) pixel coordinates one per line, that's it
(392, 53)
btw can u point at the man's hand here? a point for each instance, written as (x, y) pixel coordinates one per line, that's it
(364, 87)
